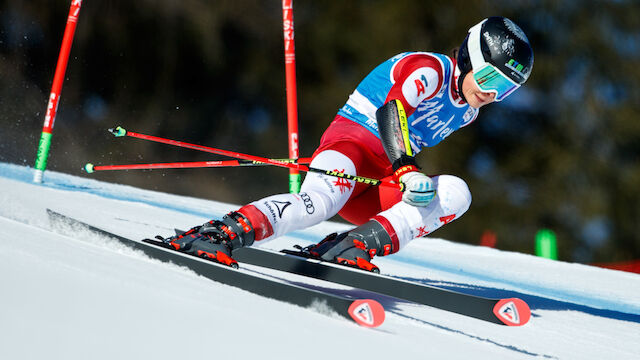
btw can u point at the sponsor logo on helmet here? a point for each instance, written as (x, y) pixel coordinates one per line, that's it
(491, 41)
(516, 67)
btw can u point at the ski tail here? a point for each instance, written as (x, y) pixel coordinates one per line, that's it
(364, 312)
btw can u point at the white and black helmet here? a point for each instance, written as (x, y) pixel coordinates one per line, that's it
(499, 53)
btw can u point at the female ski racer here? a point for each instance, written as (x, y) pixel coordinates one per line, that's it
(411, 101)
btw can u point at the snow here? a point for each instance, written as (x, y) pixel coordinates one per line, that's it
(84, 296)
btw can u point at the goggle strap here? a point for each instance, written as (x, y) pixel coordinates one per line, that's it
(473, 46)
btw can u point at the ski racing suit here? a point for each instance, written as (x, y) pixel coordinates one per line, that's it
(425, 84)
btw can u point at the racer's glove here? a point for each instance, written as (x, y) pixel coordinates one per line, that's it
(418, 189)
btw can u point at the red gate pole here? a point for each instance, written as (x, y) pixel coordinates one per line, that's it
(292, 101)
(56, 88)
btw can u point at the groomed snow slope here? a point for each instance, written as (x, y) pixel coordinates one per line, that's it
(85, 297)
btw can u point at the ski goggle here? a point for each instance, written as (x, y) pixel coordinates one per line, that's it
(488, 77)
(491, 79)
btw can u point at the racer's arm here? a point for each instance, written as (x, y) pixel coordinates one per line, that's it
(417, 77)
(418, 189)
(394, 133)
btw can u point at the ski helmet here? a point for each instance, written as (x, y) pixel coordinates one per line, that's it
(499, 53)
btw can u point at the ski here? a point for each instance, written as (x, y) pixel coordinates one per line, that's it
(364, 312)
(507, 311)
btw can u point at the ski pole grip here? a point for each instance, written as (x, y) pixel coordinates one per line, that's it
(118, 131)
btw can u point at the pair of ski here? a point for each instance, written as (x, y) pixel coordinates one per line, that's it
(365, 312)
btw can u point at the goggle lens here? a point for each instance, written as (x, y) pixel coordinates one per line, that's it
(491, 79)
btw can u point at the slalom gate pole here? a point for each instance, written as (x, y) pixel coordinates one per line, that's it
(90, 168)
(119, 132)
(56, 88)
(292, 100)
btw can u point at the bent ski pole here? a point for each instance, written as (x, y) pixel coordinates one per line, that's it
(90, 168)
(120, 131)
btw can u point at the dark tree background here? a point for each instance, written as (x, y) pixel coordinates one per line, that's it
(562, 153)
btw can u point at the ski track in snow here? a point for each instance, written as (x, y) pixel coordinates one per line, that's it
(89, 297)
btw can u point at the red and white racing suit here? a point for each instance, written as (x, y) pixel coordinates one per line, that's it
(425, 84)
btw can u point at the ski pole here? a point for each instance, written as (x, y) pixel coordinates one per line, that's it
(120, 131)
(56, 88)
(90, 168)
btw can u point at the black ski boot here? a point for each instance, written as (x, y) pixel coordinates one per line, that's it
(354, 248)
(215, 240)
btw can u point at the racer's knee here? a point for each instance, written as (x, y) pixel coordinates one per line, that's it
(453, 193)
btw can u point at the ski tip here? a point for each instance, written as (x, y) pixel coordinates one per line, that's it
(89, 168)
(512, 312)
(367, 313)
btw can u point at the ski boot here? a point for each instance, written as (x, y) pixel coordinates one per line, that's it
(215, 240)
(354, 248)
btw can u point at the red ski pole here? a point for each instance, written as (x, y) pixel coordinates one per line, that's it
(90, 168)
(56, 88)
(119, 132)
(292, 100)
